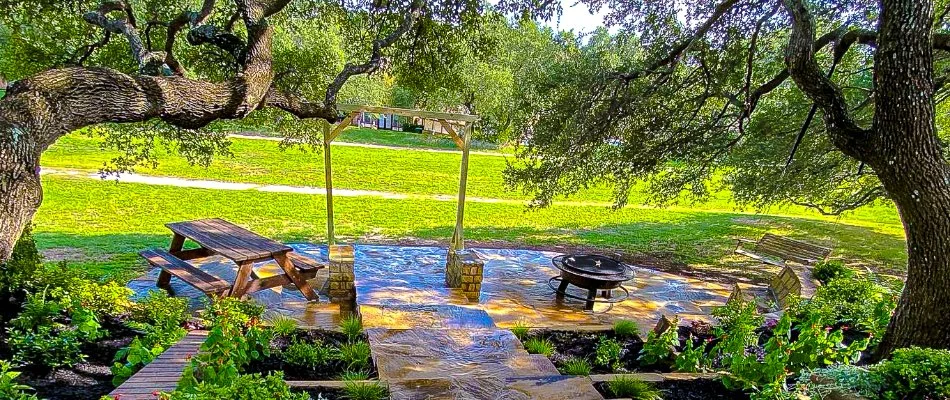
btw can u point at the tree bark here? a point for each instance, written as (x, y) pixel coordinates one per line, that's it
(908, 159)
(903, 149)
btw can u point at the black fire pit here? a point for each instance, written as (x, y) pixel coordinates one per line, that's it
(591, 272)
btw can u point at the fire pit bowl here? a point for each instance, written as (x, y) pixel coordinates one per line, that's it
(591, 272)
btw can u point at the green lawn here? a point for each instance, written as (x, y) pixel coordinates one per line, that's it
(108, 222)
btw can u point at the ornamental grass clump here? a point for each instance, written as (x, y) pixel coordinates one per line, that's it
(625, 386)
(365, 391)
(626, 328)
(540, 346)
(576, 366)
(355, 355)
(520, 330)
(352, 327)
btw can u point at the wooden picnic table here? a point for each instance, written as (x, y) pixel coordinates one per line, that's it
(243, 247)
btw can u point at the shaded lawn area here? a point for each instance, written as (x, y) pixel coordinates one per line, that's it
(104, 224)
(384, 137)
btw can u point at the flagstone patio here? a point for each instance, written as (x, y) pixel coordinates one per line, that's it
(429, 341)
(400, 287)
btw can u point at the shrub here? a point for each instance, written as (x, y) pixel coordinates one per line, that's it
(848, 378)
(352, 327)
(914, 373)
(159, 309)
(46, 346)
(862, 304)
(576, 366)
(608, 353)
(242, 387)
(9, 388)
(365, 391)
(17, 270)
(307, 355)
(625, 386)
(626, 328)
(660, 348)
(540, 346)
(235, 338)
(827, 271)
(282, 325)
(355, 355)
(520, 330)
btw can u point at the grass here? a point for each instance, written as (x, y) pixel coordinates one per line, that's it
(576, 366)
(105, 224)
(626, 328)
(406, 139)
(520, 330)
(540, 346)
(624, 386)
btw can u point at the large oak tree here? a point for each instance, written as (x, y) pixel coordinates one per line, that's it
(827, 104)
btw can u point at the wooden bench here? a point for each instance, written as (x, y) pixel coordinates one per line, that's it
(784, 288)
(203, 281)
(778, 250)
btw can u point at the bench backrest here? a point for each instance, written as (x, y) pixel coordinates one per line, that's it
(791, 249)
(786, 286)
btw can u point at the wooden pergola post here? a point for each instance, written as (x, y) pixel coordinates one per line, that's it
(328, 136)
(458, 241)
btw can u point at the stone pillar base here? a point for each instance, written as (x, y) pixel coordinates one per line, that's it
(464, 270)
(341, 280)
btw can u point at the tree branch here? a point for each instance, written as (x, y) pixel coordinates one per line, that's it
(376, 59)
(674, 55)
(185, 18)
(804, 70)
(150, 63)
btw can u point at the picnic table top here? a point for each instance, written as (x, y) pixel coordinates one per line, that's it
(228, 240)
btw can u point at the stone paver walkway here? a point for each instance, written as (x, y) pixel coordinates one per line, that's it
(431, 342)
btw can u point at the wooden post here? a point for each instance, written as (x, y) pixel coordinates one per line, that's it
(457, 237)
(328, 170)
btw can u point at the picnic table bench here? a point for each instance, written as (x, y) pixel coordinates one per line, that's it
(777, 250)
(243, 247)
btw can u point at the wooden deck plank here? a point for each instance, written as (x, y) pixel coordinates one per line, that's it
(164, 372)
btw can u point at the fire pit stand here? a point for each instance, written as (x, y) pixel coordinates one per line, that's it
(591, 272)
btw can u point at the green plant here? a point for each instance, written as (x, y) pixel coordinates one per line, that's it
(307, 355)
(236, 338)
(355, 355)
(819, 346)
(540, 346)
(576, 366)
(848, 378)
(862, 304)
(9, 388)
(17, 270)
(608, 353)
(827, 271)
(160, 310)
(352, 326)
(660, 348)
(241, 387)
(625, 386)
(626, 328)
(354, 375)
(46, 345)
(520, 330)
(365, 391)
(136, 356)
(914, 373)
(282, 325)
(691, 358)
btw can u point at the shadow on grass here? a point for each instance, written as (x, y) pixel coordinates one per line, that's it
(699, 244)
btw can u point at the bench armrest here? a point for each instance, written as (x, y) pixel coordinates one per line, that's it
(741, 241)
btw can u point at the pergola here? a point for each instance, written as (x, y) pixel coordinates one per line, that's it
(459, 127)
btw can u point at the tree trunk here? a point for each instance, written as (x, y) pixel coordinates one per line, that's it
(908, 158)
(20, 191)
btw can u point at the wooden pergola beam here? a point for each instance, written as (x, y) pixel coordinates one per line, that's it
(462, 138)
